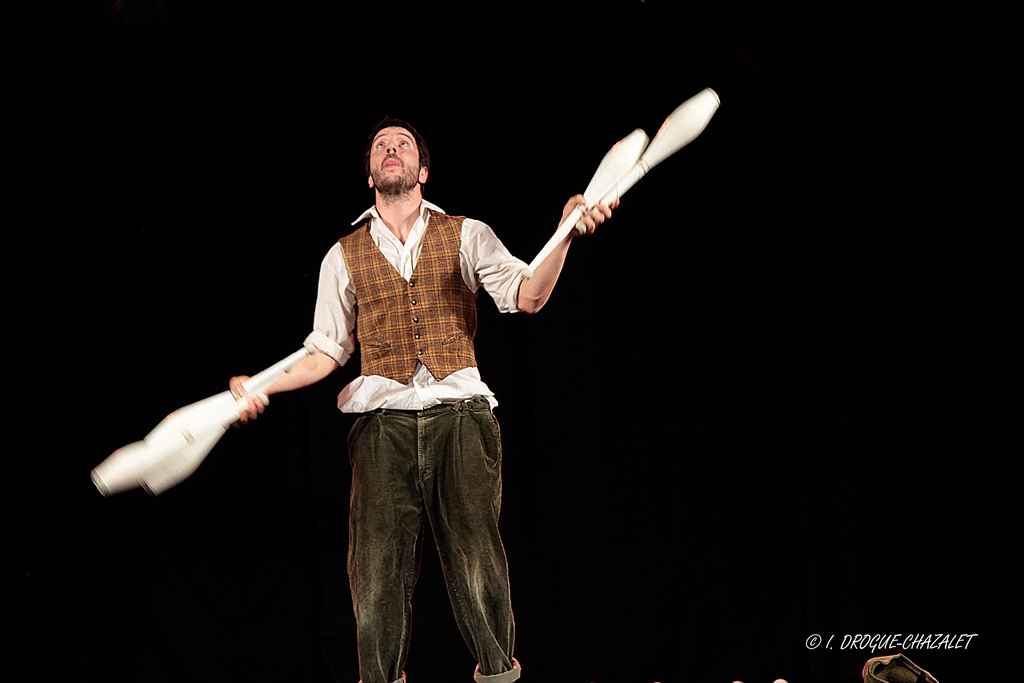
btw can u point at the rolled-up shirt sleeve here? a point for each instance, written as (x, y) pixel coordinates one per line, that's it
(334, 315)
(487, 263)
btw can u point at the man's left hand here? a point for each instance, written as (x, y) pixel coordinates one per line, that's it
(591, 218)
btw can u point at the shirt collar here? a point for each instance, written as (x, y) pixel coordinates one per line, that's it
(372, 211)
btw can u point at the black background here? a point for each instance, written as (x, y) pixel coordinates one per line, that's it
(755, 409)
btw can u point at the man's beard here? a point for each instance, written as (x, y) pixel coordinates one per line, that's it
(394, 185)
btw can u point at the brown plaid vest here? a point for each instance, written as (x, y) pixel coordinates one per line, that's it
(430, 319)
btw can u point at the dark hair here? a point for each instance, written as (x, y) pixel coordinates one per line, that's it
(389, 122)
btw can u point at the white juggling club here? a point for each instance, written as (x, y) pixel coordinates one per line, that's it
(177, 446)
(681, 128)
(623, 156)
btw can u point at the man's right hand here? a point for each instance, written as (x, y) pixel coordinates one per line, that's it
(255, 407)
(309, 370)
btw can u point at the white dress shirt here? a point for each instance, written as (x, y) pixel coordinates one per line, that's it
(485, 263)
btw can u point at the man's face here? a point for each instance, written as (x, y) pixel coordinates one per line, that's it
(395, 162)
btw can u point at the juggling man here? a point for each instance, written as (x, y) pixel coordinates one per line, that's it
(425, 447)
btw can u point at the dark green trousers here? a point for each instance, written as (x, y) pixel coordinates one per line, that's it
(440, 466)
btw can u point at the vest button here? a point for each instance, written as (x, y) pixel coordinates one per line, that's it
(414, 302)
(412, 283)
(420, 352)
(415, 320)
(416, 336)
